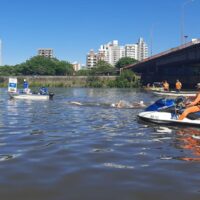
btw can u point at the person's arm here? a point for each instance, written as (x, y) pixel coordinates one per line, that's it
(196, 101)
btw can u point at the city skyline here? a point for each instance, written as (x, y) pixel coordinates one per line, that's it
(72, 28)
(113, 51)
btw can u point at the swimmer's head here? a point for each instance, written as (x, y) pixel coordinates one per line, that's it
(141, 102)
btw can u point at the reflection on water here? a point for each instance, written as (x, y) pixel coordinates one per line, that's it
(55, 150)
(186, 139)
(189, 139)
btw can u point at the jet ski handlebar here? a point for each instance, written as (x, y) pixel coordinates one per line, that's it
(180, 104)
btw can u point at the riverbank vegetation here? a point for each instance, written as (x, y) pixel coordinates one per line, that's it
(127, 79)
(39, 67)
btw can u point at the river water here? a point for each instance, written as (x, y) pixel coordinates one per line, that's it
(56, 150)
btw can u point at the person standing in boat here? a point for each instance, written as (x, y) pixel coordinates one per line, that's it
(193, 106)
(166, 86)
(178, 85)
(26, 89)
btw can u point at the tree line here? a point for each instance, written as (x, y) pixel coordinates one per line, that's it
(41, 66)
(38, 65)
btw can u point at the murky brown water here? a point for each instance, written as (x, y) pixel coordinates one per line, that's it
(54, 150)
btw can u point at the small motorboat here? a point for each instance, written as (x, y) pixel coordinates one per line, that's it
(156, 86)
(175, 93)
(167, 111)
(14, 93)
(31, 96)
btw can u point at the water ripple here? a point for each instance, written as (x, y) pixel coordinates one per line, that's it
(54, 150)
(118, 166)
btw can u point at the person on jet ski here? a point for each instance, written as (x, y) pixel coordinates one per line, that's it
(193, 106)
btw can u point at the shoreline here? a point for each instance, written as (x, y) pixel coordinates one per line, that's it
(57, 81)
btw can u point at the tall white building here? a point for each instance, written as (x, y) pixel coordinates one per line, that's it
(138, 51)
(131, 50)
(114, 52)
(142, 49)
(111, 52)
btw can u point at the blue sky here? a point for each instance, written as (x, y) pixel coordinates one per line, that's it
(73, 27)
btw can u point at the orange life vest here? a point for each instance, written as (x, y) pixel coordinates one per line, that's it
(166, 86)
(178, 85)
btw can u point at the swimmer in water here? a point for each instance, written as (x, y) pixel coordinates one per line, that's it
(139, 105)
(122, 104)
(76, 103)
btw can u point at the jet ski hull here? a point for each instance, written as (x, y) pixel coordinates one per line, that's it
(167, 118)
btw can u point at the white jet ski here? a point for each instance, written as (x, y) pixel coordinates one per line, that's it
(168, 113)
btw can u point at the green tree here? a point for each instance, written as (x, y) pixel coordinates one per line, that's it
(125, 61)
(39, 65)
(94, 82)
(127, 79)
(103, 68)
(83, 72)
(63, 68)
(7, 70)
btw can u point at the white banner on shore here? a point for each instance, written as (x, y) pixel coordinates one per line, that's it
(12, 85)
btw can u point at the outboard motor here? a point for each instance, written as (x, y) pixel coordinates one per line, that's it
(51, 95)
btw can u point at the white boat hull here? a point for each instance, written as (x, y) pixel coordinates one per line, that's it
(153, 89)
(166, 118)
(175, 94)
(29, 96)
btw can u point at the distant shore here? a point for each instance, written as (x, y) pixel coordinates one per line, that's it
(57, 81)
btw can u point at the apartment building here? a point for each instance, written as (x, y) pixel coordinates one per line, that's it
(45, 52)
(142, 49)
(112, 52)
(131, 50)
(91, 59)
(76, 66)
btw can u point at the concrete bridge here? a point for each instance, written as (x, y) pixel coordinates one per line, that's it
(181, 63)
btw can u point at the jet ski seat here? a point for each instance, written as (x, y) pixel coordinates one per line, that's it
(194, 116)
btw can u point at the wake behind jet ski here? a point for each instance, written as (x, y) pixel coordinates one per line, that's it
(167, 111)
